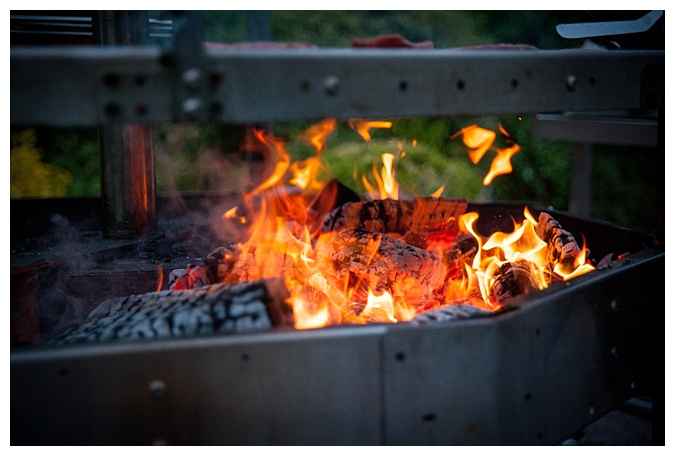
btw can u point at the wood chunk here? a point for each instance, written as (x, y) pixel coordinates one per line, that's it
(562, 247)
(214, 309)
(376, 261)
(397, 216)
(462, 253)
(512, 279)
(333, 195)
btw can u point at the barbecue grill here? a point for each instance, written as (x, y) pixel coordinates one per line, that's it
(563, 358)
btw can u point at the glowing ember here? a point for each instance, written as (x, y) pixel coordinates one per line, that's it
(386, 260)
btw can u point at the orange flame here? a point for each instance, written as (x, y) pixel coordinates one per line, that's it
(318, 133)
(481, 140)
(501, 163)
(280, 243)
(160, 278)
(363, 127)
(380, 307)
(387, 185)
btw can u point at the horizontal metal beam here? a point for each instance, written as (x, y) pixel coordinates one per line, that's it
(597, 129)
(64, 86)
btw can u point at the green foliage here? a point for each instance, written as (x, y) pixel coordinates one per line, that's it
(29, 175)
(626, 185)
(76, 150)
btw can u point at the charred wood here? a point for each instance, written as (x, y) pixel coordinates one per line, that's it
(375, 261)
(333, 195)
(512, 279)
(449, 313)
(397, 216)
(209, 310)
(562, 247)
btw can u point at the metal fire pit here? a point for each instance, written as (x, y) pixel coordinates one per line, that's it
(535, 375)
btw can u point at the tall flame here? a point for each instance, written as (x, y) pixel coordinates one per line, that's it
(281, 242)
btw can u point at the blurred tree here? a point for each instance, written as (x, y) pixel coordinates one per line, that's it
(29, 175)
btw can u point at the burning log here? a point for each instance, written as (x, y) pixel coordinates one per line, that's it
(364, 260)
(512, 279)
(562, 247)
(397, 216)
(214, 309)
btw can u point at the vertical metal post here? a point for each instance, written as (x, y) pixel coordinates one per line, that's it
(580, 183)
(126, 151)
(258, 28)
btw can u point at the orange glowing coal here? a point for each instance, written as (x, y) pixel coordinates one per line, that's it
(365, 272)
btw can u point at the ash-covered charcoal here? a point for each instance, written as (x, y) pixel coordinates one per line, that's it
(216, 266)
(376, 261)
(193, 276)
(214, 309)
(449, 313)
(397, 216)
(512, 279)
(221, 261)
(562, 247)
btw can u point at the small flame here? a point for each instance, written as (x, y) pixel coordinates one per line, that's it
(305, 174)
(318, 133)
(380, 307)
(481, 140)
(387, 185)
(501, 163)
(363, 127)
(477, 138)
(160, 278)
(439, 192)
(232, 214)
(581, 266)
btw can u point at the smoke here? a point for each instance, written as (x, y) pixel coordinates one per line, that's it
(43, 304)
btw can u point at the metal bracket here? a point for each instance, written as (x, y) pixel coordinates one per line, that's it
(185, 60)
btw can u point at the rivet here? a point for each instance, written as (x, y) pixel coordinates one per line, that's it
(157, 388)
(614, 352)
(331, 84)
(571, 82)
(192, 105)
(591, 410)
(192, 77)
(614, 305)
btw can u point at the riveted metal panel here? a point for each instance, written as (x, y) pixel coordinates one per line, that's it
(299, 387)
(530, 377)
(86, 86)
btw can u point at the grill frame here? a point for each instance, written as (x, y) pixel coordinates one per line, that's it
(215, 384)
(534, 375)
